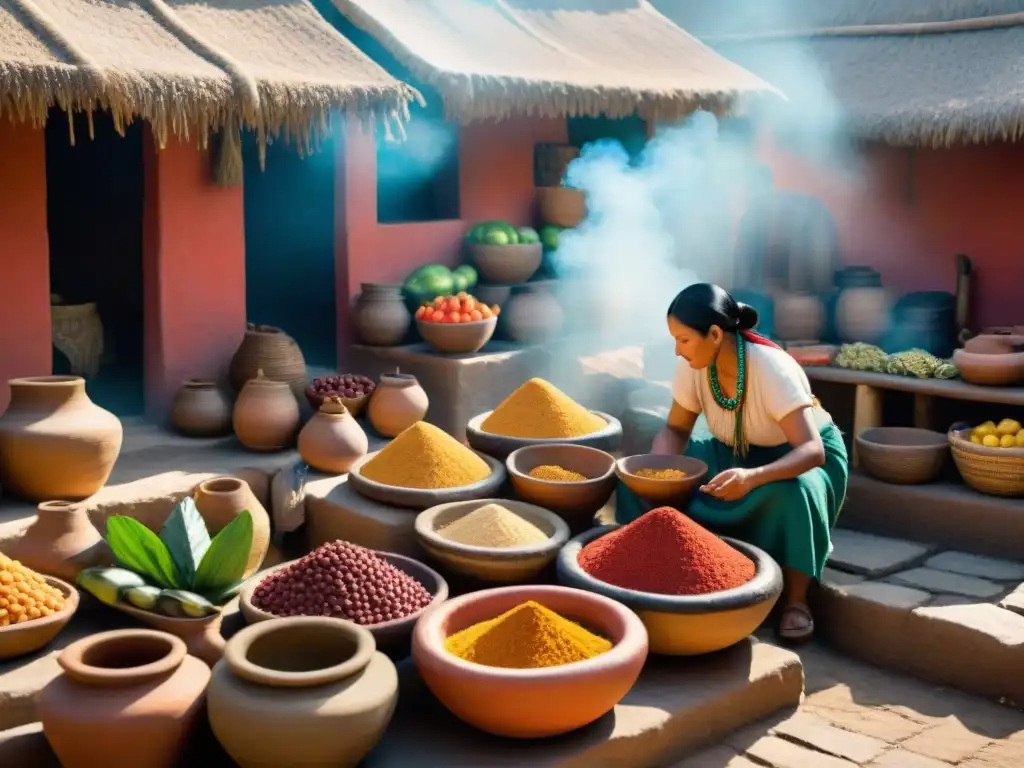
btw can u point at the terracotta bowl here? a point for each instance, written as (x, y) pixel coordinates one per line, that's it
(28, 637)
(575, 503)
(562, 206)
(531, 703)
(990, 370)
(902, 455)
(995, 344)
(508, 565)
(661, 491)
(457, 338)
(506, 264)
(686, 625)
(500, 446)
(392, 636)
(423, 498)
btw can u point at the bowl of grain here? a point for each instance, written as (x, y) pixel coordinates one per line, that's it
(660, 478)
(494, 540)
(52, 601)
(573, 481)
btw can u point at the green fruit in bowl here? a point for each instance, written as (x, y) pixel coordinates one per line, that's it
(528, 235)
(497, 237)
(476, 233)
(549, 236)
(469, 273)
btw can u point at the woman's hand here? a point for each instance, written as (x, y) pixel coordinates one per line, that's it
(731, 485)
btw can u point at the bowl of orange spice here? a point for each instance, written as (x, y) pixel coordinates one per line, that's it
(33, 608)
(661, 478)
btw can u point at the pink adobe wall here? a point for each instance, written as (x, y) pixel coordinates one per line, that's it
(916, 209)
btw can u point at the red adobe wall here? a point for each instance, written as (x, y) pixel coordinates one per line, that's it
(25, 344)
(915, 209)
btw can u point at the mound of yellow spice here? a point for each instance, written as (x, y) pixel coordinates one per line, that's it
(24, 594)
(539, 409)
(529, 636)
(494, 526)
(425, 457)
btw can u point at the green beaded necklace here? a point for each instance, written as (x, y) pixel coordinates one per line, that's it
(739, 442)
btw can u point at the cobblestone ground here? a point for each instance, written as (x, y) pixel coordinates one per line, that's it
(858, 715)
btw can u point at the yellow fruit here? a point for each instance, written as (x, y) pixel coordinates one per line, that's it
(988, 428)
(990, 440)
(1008, 427)
(1020, 439)
(1007, 441)
(975, 439)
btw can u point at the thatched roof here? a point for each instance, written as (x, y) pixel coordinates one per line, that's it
(907, 72)
(189, 65)
(491, 59)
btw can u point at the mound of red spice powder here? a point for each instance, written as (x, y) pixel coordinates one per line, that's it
(666, 553)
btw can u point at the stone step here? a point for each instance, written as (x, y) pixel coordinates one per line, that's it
(946, 616)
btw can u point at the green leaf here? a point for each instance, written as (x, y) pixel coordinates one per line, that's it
(218, 598)
(225, 561)
(139, 549)
(187, 539)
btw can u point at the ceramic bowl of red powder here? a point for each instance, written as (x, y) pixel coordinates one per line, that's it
(695, 592)
(531, 703)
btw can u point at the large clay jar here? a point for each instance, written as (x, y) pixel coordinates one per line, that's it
(221, 500)
(200, 409)
(303, 691)
(533, 315)
(380, 315)
(266, 415)
(55, 443)
(398, 402)
(798, 316)
(271, 350)
(62, 542)
(332, 440)
(863, 314)
(125, 699)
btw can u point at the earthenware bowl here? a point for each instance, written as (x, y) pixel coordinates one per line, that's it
(500, 446)
(686, 625)
(531, 703)
(392, 636)
(457, 338)
(29, 636)
(422, 498)
(661, 491)
(508, 564)
(506, 264)
(902, 455)
(990, 370)
(574, 502)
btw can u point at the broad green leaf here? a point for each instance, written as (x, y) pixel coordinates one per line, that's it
(139, 549)
(187, 539)
(221, 597)
(225, 561)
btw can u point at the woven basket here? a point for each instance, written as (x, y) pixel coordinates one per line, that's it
(902, 455)
(272, 351)
(561, 206)
(995, 471)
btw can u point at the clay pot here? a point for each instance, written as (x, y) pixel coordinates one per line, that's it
(271, 350)
(266, 415)
(862, 314)
(798, 316)
(990, 370)
(222, 499)
(398, 402)
(203, 638)
(310, 691)
(995, 344)
(380, 315)
(562, 206)
(55, 443)
(62, 542)
(201, 410)
(332, 440)
(125, 699)
(532, 314)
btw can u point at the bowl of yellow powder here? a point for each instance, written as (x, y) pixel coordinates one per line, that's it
(494, 540)
(425, 466)
(574, 481)
(529, 661)
(538, 413)
(660, 478)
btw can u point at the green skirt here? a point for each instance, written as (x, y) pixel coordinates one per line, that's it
(791, 520)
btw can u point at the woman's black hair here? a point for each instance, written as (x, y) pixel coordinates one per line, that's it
(703, 305)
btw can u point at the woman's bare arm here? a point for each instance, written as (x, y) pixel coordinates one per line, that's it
(674, 436)
(808, 450)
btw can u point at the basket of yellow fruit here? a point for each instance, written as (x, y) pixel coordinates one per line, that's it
(990, 456)
(33, 608)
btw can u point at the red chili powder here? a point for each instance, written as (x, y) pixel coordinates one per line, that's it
(666, 553)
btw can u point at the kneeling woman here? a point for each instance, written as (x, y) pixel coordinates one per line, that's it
(777, 464)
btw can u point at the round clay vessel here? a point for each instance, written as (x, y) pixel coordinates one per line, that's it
(531, 703)
(380, 315)
(398, 402)
(862, 314)
(532, 315)
(271, 350)
(798, 316)
(332, 440)
(266, 415)
(125, 699)
(221, 499)
(200, 409)
(61, 542)
(303, 691)
(55, 443)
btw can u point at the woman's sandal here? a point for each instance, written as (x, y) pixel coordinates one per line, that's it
(796, 635)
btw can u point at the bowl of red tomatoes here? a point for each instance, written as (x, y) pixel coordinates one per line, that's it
(457, 325)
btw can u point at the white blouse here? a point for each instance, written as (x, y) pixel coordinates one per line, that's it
(776, 386)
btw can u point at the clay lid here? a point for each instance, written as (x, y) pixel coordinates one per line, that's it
(397, 379)
(333, 406)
